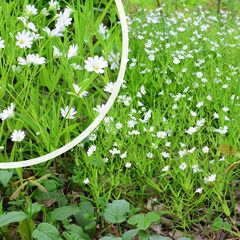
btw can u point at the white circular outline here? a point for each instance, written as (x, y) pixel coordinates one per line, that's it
(102, 114)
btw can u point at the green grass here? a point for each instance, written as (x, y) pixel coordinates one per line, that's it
(183, 75)
(173, 101)
(39, 92)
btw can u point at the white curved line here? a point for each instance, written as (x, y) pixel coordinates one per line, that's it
(102, 114)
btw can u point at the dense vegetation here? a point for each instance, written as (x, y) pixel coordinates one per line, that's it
(164, 162)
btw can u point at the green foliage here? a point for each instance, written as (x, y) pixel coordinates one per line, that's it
(143, 221)
(116, 212)
(62, 213)
(5, 176)
(46, 231)
(219, 224)
(75, 232)
(12, 217)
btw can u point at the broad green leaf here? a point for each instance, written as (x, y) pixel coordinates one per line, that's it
(11, 217)
(144, 221)
(219, 224)
(85, 214)
(151, 217)
(110, 238)
(116, 211)
(46, 231)
(130, 234)
(134, 220)
(63, 213)
(5, 176)
(158, 237)
(75, 232)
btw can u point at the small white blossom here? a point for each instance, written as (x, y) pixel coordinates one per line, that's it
(165, 169)
(86, 181)
(210, 178)
(199, 190)
(91, 150)
(7, 113)
(31, 10)
(1, 43)
(17, 135)
(68, 113)
(128, 165)
(96, 64)
(183, 166)
(72, 51)
(161, 134)
(205, 149)
(24, 39)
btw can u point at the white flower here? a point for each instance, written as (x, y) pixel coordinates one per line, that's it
(114, 151)
(57, 32)
(76, 66)
(201, 122)
(210, 178)
(17, 135)
(64, 19)
(45, 12)
(118, 125)
(92, 137)
(176, 60)
(161, 134)
(165, 169)
(149, 155)
(199, 104)
(99, 108)
(215, 115)
(54, 5)
(102, 30)
(128, 165)
(91, 150)
(96, 64)
(199, 74)
(31, 59)
(222, 130)
(24, 39)
(131, 123)
(68, 113)
(30, 10)
(1, 43)
(7, 113)
(209, 97)
(56, 52)
(86, 181)
(109, 87)
(191, 130)
(199, 190)
(168, 144)
(114, 60)
(123, 155)
(193, 114)
(195, 168)
(27, 24)
(77, 90)
(165, 154)
(72, 51)
(205, 149)
(225, 109)
(183, 166)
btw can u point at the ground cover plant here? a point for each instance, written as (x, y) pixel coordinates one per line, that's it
(164, 162)
(57, 58)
